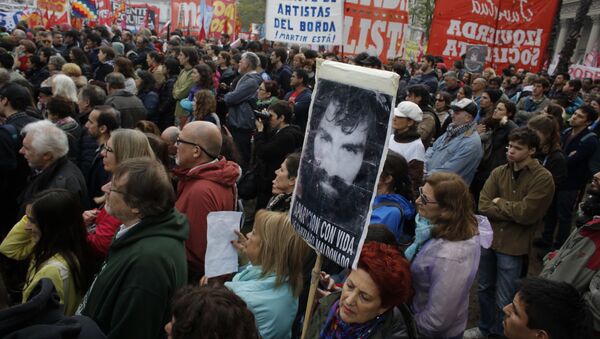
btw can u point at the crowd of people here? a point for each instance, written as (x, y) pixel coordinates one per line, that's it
(115, 147)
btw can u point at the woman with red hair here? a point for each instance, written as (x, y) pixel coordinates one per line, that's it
(366, 305)
(445, 264)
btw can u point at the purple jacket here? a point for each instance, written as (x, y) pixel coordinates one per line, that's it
(443, 272)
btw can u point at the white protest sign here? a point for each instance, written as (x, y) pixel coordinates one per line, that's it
(342, 158)
(221, 257)
(305, 22)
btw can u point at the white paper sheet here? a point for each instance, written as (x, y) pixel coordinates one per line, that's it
(221, 257)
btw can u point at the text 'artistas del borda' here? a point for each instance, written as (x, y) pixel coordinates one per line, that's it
(317, 21)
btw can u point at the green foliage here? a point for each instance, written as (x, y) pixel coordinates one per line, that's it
(251, 11)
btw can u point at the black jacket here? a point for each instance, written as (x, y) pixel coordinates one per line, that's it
(61, 174)
(41, 317)
(13, 168)
(271, 150)
(132, 109)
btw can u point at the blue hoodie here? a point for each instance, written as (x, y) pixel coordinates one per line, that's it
(391, 216)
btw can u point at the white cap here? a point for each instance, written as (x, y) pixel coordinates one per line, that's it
(410, 110)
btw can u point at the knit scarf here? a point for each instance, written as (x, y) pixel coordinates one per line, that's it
(454, 130)
(336, 328)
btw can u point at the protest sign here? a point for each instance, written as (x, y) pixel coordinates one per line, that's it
(343, 154)
(214, 17)
(9, 20)
(221, 257)
(106, 13)
(475, 58)
(9, 6)
(315, 22)
(138, 16)
(223, 18)
(375, 27)
(515, 31)
(581, 71)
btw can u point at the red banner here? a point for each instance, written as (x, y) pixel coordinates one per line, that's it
(515, 31)
(214, 16)
(376, 27)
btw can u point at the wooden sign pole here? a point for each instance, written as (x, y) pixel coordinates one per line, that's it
(314, 283)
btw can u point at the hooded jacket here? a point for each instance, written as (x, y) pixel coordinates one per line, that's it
(395, 220)
(41, 317)
(130, 297)
(441, 267)
(271, 150)
(203, 189)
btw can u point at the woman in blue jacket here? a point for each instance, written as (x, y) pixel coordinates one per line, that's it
(394, 204)
(271, 283)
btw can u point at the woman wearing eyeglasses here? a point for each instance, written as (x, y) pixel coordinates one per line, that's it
(267, 94)
(123, 144)
(444, 264)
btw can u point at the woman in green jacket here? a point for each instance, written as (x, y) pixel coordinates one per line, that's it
(188, 58)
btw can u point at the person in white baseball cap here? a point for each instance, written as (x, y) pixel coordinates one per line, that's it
(406, 141)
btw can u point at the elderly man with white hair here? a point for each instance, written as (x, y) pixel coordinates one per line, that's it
(240, 118)
(45, 148)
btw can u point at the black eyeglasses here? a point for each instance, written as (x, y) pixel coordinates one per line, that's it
(179, 141)
(424, 198)
(107, 149)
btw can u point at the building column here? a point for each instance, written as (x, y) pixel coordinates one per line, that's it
(562, 35)
(594, 34)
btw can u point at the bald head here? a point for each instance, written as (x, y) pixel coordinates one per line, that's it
(205, 134)
(170, 134)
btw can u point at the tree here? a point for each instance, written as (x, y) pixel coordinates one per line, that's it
(574, 29)
(423, 14)
(252, 11)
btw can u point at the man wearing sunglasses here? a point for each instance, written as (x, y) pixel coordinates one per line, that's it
(206, 184)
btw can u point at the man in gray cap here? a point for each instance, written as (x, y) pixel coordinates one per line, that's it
(459, 149)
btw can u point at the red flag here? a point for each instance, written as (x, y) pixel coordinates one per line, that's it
(202, 33)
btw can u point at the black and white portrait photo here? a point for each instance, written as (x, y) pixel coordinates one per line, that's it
(339, 168)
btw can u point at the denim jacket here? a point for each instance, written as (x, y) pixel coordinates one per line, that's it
(460, 155)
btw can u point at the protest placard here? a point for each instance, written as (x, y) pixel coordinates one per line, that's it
(580, 71)
(516, 32)
(315, 22)
(375, 27)
(475, 58)
(139, 16)
(343, 154)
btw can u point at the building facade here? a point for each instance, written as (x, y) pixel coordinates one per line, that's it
(590, 33)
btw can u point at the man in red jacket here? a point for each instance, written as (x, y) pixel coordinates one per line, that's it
(206, 184)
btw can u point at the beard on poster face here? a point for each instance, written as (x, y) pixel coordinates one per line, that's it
(332, 199)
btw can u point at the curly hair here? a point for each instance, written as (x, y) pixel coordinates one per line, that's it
(211, 313)
(389, 270)
(206, 103)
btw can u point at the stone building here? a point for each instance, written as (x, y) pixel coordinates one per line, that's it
(590, 33)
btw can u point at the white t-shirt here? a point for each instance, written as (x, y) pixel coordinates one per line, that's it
(413, 150)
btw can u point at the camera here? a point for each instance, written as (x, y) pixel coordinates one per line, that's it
(263, 115)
